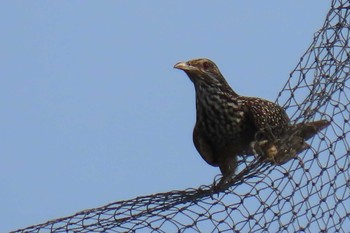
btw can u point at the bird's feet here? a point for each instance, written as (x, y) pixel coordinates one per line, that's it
(224, 183)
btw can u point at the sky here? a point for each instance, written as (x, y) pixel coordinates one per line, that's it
(91, 109)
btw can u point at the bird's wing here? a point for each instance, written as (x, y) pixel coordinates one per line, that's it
(204, 148)
(263, 114)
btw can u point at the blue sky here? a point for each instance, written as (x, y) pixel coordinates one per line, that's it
(91, 109)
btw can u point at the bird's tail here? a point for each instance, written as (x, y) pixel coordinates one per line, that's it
(292, 142)
(308, 130)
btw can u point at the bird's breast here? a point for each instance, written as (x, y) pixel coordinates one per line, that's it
(220, 118)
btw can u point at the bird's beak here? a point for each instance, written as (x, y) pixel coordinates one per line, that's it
(182, 66)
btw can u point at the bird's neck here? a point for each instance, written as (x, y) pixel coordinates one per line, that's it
(205, 90)
(210, 99)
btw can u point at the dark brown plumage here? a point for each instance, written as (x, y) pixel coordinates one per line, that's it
(228, 124)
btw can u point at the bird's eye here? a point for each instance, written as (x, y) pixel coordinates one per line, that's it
(206, 65)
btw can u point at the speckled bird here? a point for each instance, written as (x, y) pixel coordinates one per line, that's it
(228, 124)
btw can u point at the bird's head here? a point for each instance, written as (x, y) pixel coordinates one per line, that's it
(202, 70)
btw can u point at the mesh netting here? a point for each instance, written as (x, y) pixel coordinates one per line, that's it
(310, 193)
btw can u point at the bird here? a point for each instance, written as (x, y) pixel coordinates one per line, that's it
(229, 125)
